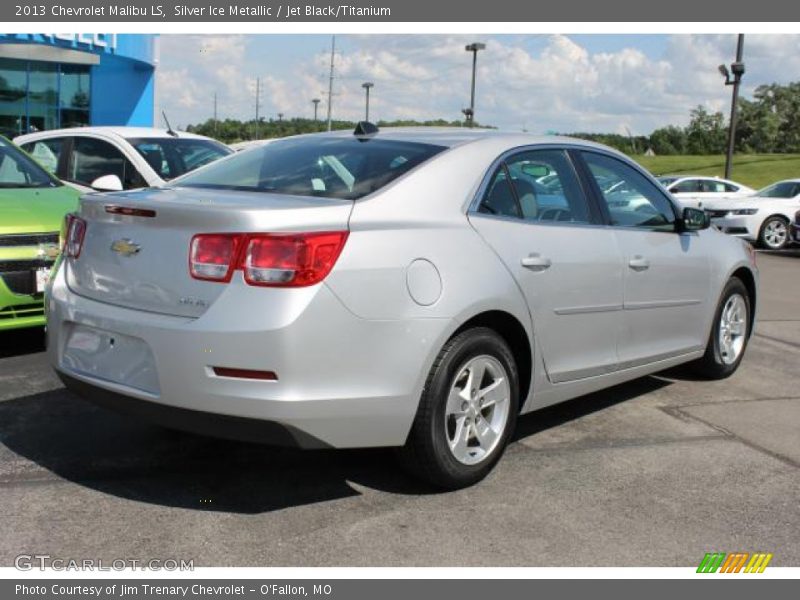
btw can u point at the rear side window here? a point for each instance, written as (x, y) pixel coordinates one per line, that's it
(539, 185)
(46, 152)
(345, 168)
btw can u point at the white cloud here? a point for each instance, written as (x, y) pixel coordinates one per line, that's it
(562, 86)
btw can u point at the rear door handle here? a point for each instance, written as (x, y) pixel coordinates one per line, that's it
(639, 263)
(536, 262)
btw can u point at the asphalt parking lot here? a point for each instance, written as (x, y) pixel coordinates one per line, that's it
(655, 472)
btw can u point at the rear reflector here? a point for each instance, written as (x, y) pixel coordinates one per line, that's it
(267, 259)
(245, 374)
(129, 211)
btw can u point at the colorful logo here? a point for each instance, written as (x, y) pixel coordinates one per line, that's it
(737, 562)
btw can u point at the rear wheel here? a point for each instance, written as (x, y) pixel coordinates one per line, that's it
(467, 411)
(729, 334)
(774, 233)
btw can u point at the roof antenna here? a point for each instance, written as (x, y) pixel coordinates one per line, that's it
(365, 130)
(170, 131)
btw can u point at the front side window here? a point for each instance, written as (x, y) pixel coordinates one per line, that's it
(172, 157)
(93, 158)
(327, 167)
(632, 200)
(18, 171)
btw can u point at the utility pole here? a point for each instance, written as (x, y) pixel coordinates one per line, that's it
(316, 105)
(737, 70)
(469, 113)
(330, 80)
(367, 85)
(258, 86)
(215, 114)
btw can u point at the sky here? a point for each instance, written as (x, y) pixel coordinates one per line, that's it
(538, 83)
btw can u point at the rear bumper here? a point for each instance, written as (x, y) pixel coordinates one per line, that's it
(193, 421)
(343, 381)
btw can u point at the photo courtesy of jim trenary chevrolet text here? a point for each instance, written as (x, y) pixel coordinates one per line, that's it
(399, 299)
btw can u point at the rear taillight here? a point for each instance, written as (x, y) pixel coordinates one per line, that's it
(291, 260)
(73, 240)
(266, 259)
(212, 256)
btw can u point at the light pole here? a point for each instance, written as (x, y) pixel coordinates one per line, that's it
(737, 70)
(316, 106)
(367, 85)
(470, 112)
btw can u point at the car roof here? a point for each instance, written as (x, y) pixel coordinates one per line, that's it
(124, 132)
(458, 136)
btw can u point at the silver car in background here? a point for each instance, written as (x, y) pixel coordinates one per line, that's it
(409, 288)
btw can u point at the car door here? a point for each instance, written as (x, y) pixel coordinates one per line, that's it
(567, 265)
(666, 273)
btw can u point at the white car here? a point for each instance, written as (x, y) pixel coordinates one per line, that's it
(763, 218)
(119, 158)
(697, 191)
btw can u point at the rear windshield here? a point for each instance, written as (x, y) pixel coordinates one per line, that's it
(782, 189)
(172, 157)
(344, 168)
(19, 171)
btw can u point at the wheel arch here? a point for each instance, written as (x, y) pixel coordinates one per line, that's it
(515, 335)
(746, 276)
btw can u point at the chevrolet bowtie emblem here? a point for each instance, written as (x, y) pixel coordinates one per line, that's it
(125, 247)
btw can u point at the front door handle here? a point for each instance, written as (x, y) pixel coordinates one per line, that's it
(536, 262)
(639, 263)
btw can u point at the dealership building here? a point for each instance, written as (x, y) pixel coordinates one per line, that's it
(48, 81)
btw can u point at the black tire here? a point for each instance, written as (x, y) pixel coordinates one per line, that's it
(427, 453)
(712, 365)
(763, 234)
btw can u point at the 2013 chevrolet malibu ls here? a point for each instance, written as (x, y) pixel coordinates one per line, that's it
(409, 288)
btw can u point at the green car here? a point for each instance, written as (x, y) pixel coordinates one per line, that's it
(32, 208)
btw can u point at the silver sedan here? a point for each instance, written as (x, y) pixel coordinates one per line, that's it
(409, 288)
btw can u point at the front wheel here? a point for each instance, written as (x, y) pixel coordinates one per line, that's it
(774, 233)
(467, 411)
(729, 334)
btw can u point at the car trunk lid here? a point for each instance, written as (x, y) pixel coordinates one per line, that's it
(140, 261)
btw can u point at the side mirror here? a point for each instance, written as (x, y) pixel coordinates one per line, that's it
(694, 219)
(107, 183)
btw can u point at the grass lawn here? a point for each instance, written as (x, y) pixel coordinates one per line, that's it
(755, 170)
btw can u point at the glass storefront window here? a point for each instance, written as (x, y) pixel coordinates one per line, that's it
(37, 95)
(75, 86)
(13, 90)
(43, 83)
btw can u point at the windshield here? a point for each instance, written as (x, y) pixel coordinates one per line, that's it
(17, 170)
(172, 157)
(345, 168)
(666, 181)
(782, 189)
